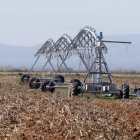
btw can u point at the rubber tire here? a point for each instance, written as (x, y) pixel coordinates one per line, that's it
(78, 84)
(135, 90)
(73, 89)
(125, 91)
(44, 84)
(33, 86)
(121, 93)
(22, 78)
(61, 77)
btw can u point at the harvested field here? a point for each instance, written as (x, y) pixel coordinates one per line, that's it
(30, 114)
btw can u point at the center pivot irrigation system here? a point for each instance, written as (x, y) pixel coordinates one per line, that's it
(87, 41)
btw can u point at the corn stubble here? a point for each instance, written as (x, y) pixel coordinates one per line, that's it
(30, 114)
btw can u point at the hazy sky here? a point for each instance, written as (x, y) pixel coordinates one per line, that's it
(31, 22)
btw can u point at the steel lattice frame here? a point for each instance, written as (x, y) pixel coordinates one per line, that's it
(46, 46)
(54, 51)
(85, 41)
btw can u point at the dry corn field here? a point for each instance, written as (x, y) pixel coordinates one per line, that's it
(27, 114)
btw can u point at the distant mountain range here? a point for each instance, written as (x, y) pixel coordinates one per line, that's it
(123, 55)
(17, 56)
(118, 56)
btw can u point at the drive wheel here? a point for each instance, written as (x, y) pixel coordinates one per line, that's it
(61, 77)
(121, 93)
(73, 88)
(33, 85)
(78, 84)
(25, 80)
(125, 91)
(44, 84)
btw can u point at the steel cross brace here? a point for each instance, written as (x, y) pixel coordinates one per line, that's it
(72, 42)
(33, 65)
(45, 66)
(83, 38)
(87, 69)
(63, 61)
(46, 62)
(86, 42)
(52, 66)
(107, 69)
(55, 46)
(38, 53)
(54, 69)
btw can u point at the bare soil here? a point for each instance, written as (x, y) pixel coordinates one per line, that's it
(30, 114)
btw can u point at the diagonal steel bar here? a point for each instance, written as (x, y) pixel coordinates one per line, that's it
(87, 69)
(33, 66)
(43, 68)
(107, 69)
(63, 62)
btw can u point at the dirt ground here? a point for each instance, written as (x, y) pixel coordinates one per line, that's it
(30, 114)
